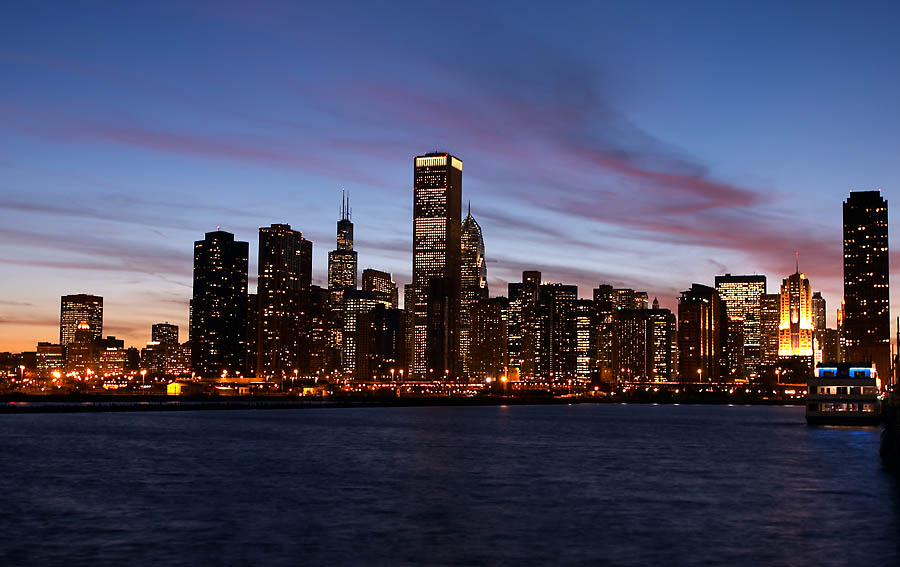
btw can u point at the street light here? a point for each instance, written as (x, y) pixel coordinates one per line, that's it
(143, 375)
(700, 374)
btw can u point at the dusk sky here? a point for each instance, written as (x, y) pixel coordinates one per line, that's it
(646, 145)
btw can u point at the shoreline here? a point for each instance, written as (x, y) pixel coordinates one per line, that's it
(14, 404)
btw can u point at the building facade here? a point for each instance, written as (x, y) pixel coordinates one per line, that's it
(78, 308)
(743, 298)
(866, 310)
(218, 325)
(437, 223)
(473, 283)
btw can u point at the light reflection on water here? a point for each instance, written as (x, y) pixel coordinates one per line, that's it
(614, 484)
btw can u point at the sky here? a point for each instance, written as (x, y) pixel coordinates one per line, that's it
(642, 144)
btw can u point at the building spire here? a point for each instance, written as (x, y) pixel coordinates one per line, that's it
(470, 207)
(797, 257)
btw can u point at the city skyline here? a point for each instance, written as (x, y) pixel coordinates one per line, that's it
(105, 190)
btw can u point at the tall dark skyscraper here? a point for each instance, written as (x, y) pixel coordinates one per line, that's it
(769, 320)
(75, 309)
(743, 298)
(473, 283)
(218, 328)
(818, 311)
(285, 273)
(867, 321)
(437, 223)
(342, 261)
(701, 328)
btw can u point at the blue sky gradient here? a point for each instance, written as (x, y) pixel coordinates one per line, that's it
(648, 145)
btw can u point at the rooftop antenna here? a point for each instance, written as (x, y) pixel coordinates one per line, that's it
(470, 207)
(797, 255)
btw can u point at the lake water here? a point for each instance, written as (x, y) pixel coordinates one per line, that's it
(519, 485)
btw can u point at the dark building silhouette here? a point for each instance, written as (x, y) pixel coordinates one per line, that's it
(356, 333)
(380, 340)
(605, 307)
(78, 308)
(818, 311)
(866, 325)
(642, 344)
(489, 333)
(285, 274)
(769, 320)
(164, 333)
(382, 285)
(342, 261)
(83, 353)
(733, 355)
(554, 336)
(218, 327)
(473, 282)
(317, 353)
(437, 223)
(700, 334)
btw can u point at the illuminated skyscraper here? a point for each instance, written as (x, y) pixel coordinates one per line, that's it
(473, 282)
(382, 285)
(164, 333)
(742, 296)
(218, 328)
(285, 273)
(643, 344)
(437, 223)
(795, 327)
(866, 329)
(342, 261)
(769, 319)
(74, 309)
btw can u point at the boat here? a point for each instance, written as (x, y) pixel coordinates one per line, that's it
(843, 394)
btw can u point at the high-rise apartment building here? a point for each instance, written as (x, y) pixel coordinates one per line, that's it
(342, 260)
(76, 309)
(218, 327)
(743, 298)
(285, 274)
(473, 282)
(437, 224)
(866, 324)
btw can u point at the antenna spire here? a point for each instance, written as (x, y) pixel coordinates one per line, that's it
(470, 207)
(797, 257)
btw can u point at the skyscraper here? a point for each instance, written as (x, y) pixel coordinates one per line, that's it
(218, 327)
(382, 285)
(75, 309)
(643, 344)
(437, 223)
(473, 282)
(743, 296)
(701, 327)
(818, 311)
(285, 273)
(769, 319)
(795, 328)
(164, 333)
(488, 348)
(342, 260)
(866, 325)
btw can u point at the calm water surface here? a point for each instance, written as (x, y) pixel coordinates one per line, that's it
(583, 484)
